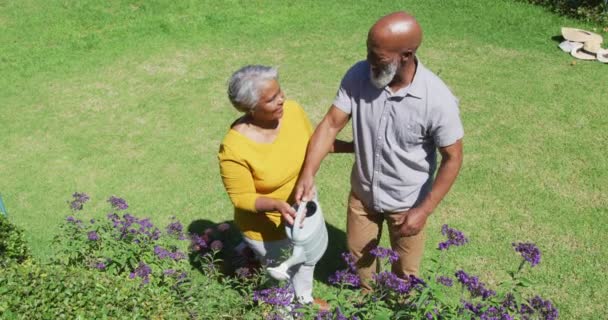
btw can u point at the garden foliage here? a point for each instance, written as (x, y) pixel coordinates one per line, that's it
(123, 266)
(591, 10)
(13, 247)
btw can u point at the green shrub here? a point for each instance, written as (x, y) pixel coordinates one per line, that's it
(125, 267)
(589, 10)
(13, 247)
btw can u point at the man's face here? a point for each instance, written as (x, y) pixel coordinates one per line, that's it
(383, 66)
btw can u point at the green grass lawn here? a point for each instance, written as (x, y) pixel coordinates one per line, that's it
(128, 98)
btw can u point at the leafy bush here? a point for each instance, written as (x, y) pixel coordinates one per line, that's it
(13, 247)
(121, 245)
(590, 10)
(126, 267)
(436, 296)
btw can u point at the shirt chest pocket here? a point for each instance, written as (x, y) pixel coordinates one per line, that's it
(410, 132)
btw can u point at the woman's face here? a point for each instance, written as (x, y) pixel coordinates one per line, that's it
(270, 105)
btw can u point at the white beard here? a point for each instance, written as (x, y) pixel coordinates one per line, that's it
(385, 77)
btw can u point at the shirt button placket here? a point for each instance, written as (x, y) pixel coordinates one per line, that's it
(377, 165)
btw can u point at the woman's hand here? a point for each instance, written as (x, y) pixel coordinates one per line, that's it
(305, 188)
(287, 212)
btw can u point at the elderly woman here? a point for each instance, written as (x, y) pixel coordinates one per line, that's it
(260, 160)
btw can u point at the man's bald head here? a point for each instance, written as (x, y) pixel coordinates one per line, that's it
(396, 32)
(391, 49)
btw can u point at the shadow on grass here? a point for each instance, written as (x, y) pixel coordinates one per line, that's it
(558, 38)
(232, 260)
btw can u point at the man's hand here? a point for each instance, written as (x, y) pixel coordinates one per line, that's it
(413, 221)
(305, 188)
(287, 212)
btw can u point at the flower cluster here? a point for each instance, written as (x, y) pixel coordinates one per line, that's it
(92, 236)
(384, 253)
(176, 229)
(529, 251)
(132, 227)
(79, 201)
(118, 203)
(74, 221)
(455, 238)
(389, 280)
(446, 281)
(333, 315)
(142, 271)
(210, 240)
(101, 264)
(163, 253)
(473, 285)
(537, 305)
(484, 312)
(274, 296)
(347, 276)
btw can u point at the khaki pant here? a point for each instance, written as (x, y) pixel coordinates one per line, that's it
(363, 231)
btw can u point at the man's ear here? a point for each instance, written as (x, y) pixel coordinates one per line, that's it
(406, 55)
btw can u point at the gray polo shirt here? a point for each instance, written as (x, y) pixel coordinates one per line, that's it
(396, 136)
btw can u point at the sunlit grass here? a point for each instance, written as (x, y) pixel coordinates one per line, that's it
(128, 98)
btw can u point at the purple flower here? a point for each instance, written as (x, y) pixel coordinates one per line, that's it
(274, 296)
(324, 315)
(529, 252)
(537, 305)
(198, 243)
(160, 252)
(175, 228)
(455, 238)
(177, 255)
(169, 272)
(143, 271)
(118, 203)
(382, 253)
(446, 281)
(100, 266)
(509, 302)
(432, 315)
(495, 313)
(473, 285)
(475, 309)
(93, 236)
(70, 219)
(79, 201)
(163, 253)
(487, 312)
(349, 259)
(131, 228)
(391, 281)
(216, 245)
(345, 277)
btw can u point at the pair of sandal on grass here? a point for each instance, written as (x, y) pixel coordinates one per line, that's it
(583, 44)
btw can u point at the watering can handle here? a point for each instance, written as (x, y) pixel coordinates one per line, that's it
(298, 219)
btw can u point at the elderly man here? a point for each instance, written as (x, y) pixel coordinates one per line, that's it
(401, 113)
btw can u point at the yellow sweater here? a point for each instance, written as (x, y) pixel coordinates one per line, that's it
(250, 170)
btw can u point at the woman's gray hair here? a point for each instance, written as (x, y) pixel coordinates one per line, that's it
(246, 83)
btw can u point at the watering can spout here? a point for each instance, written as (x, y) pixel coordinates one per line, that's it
(309, 239)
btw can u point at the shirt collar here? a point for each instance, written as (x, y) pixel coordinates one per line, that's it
(414, 89)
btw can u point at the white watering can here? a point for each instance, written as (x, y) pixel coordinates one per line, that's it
(309, 240)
